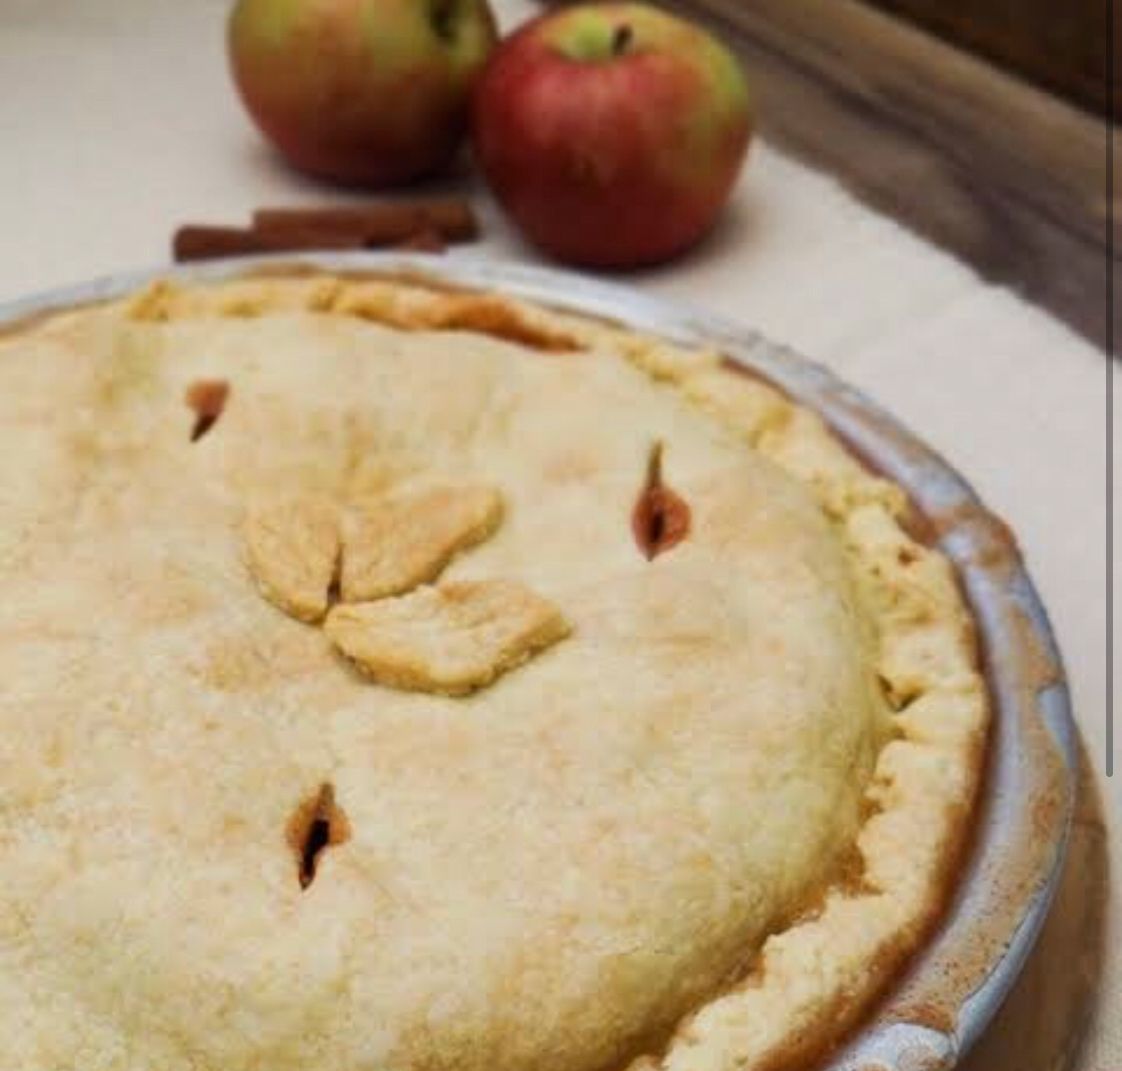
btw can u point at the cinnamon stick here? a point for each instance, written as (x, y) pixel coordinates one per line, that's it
(201, 241)
(376, 224)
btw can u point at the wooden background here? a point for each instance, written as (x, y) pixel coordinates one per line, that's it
(1008, 176)
(1062, 47)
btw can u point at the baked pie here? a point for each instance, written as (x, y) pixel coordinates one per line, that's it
(406, 679)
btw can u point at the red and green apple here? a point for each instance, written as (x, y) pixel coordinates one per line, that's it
(612, 133)
(360, 91)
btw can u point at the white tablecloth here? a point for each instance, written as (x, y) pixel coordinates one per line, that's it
(118, 121)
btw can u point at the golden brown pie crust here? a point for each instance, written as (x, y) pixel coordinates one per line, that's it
(818, 970)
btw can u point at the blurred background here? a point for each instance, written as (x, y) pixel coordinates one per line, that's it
(981, 123)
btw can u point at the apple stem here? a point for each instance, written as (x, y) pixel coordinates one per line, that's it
(442, 13)
(622, 39)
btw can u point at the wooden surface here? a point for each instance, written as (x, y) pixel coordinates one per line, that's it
(1060, 48)
(1043, 1023)
(1007, 176)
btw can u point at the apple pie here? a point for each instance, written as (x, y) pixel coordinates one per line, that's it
(399, 678)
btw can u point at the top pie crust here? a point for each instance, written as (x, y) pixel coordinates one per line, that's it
(698, 834)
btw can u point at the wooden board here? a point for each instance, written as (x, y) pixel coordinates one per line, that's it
(1043, 1022)
(1005, 175)
(1062, 50)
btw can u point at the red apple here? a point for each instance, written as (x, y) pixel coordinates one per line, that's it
(612, 133)
(360, 91)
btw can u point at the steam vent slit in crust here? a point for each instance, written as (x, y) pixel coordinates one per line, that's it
(658, 756)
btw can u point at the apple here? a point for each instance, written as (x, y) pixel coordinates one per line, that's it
(360, 91)
(612, 133)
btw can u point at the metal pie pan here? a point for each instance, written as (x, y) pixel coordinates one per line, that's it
(951, 990)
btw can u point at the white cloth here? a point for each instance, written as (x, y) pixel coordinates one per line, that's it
(118, 121)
